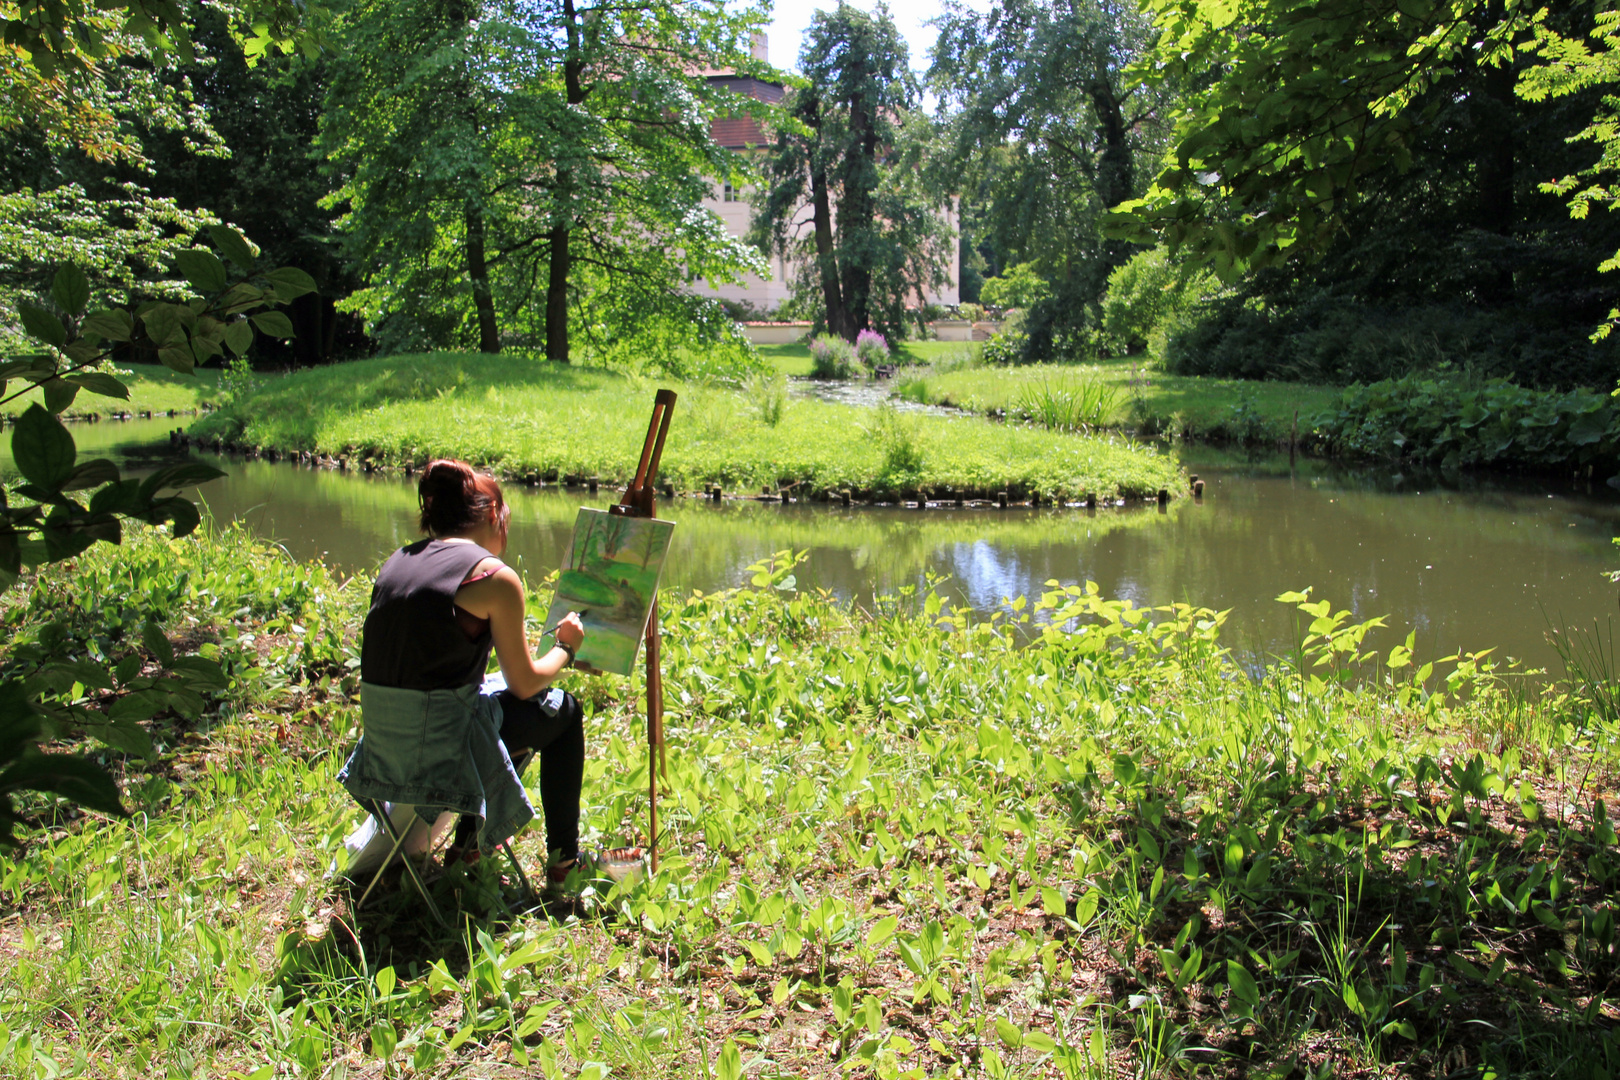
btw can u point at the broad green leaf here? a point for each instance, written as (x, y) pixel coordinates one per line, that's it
(126, 735)
(200, 673)
(1009, 1034)
(59, 394)
(202, 269)
(1242, 984)
(68, 775)
(42, 448)
(71, 289)
(180, 511)
(42, 324)
(115, 325)
(273, 324)
(140, 705)
(239, 337)
(182, 474)
(234, 245)
(123, 497)
(178, 358)
(162, 322)
(82, 352)
(730, 1066)
(100, 382)
(383, 1039)
(290, 282)
(157, 643)
(92, 473)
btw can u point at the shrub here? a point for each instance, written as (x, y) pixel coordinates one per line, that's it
(831, 358)
(970, 312)
(1458, 423)
(1017, 287)
(1332, 340)
(767, 394)
(901, 440)
(871, 349)
(1147, 299)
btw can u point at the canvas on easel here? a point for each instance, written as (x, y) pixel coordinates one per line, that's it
(611, 579)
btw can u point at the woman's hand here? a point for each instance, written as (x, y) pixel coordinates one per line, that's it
(570, 632)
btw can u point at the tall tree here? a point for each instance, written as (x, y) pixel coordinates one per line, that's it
(1368, 166)
(496, 153)
(1047, 135)
(1298, 101)
(877, 238)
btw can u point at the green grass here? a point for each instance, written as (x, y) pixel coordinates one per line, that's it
(528, 418)
(152, 388)
(1201, 406)
(896, 845)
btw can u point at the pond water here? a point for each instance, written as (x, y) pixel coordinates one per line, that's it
(1484, 564)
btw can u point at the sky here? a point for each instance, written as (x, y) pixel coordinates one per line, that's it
(790, 18)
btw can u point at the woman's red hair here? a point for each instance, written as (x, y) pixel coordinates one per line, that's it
(455, 498)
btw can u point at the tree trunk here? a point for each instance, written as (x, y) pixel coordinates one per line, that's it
(557, 297)
(826, 258)
(489, 336)
(1114, 175)
(562, 222)
(856, 214)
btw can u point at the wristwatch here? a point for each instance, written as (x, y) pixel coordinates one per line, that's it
(567, 648)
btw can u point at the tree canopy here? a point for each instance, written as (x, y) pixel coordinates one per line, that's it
(877, 239)
(1044, 135)
(535, 166)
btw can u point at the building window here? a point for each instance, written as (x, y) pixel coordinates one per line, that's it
(728, 194)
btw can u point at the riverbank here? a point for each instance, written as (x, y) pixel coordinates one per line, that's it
(1167, 865)
(1132, 394)
(537, 422)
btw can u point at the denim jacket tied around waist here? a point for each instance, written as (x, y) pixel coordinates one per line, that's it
(439, 750)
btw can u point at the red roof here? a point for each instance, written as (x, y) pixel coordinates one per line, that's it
(738, 132)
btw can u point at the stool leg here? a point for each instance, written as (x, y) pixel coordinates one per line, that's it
(398, 836)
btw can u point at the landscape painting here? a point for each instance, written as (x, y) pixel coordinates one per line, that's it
(611, 578)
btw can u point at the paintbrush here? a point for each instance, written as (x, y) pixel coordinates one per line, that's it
(553, 630)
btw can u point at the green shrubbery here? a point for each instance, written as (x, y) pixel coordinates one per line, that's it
(1148, 299)
(1333, 341)
(831, 357)
(1455, 423)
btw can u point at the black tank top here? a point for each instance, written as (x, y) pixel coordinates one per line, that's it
(412, 638)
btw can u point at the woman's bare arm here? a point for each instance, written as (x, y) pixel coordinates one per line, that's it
(499, 598)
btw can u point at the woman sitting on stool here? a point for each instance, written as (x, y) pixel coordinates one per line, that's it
(437, 734)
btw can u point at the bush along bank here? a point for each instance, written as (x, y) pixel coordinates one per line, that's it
(538, 423)
(1458, 424)
(943, 848)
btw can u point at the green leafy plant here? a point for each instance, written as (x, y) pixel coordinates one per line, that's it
(767, 394)
(44, 519)
(831, 357)
(1069, 404)
(1457, 423)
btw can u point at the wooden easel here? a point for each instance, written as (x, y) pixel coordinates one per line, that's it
(639, 500)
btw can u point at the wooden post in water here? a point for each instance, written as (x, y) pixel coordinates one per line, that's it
(640, 500)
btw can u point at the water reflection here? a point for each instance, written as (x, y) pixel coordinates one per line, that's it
(1468, 566)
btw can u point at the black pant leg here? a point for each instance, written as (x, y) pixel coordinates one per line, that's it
(558, 736)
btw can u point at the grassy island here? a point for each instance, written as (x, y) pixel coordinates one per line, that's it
(898, 845)
(529, 419)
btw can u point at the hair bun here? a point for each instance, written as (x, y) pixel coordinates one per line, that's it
(456, 499)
